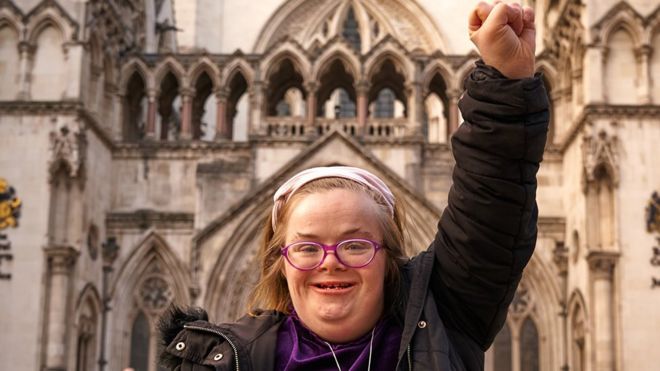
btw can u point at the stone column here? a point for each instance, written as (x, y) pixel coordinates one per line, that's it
(25, 51)
(601, 266)
(60, 261)
(222, 129)
(186, 113)
(256, 107)
(311, 89)
(593, 88)
(415, 110)
(643, 55)
(150, 130)
(362, 91)
(454, 95)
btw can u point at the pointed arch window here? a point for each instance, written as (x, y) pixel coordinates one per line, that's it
(516, 347)
(529, 346)
(140, 338)
(351, 30)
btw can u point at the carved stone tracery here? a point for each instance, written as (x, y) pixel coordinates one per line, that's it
(600, 153)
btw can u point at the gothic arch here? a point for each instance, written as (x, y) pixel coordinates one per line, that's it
(337, 51)
(10, 16)
(152, 248)
(392, 50)
(147, 281)
(127, 70)
(86, 335)
(438, 67)
(464, 70)
(404, 20)
(240, 66)
(537, 299)
(621, 16)
(652, 27)
(204, 64)
(579, 344)
(171, 65)
(287, 50)
(49, 13)
(225, 298)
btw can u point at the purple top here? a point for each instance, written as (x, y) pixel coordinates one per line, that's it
(298, 348)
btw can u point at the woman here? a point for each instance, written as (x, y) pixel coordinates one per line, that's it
(338, 291)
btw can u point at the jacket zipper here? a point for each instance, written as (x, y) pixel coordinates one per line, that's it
(231, 343)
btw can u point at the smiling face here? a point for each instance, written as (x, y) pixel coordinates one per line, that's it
(336, 302)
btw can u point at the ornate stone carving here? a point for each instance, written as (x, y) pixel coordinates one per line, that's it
(67, 148)
(61, 259)
(155, 293)
(602, 263)
(600, 153)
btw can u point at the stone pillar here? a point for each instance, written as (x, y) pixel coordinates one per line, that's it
(222, 129)
(60, 261)
(601, 266)
(594, 88)
(414, 93)
(643, 55)
(25, 51)
(150, 130)
(256, 107)
(362, 91)
(311, 89)
(454, 95)
(186, 113)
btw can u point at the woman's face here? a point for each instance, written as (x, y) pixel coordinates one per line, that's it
(327, 217)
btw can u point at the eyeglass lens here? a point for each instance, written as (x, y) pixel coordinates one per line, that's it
(353, 253)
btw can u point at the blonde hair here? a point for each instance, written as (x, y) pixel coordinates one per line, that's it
(271, 291)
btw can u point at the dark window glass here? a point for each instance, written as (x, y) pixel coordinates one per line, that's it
(529, 347)
(385, 104)
(140, 344)
(346, 106)
(351, 31)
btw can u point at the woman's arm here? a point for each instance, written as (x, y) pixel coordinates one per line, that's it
(487, 232)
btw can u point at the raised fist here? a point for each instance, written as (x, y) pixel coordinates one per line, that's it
(505, 36)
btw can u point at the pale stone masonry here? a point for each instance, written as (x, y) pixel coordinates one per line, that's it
(146, 137)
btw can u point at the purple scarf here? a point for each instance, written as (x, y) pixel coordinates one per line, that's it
(298, 348)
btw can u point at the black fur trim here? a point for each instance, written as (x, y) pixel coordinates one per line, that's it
(170, 324)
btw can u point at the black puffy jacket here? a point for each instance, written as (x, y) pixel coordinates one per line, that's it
(458, 291)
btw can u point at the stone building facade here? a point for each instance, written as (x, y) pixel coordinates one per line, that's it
(146, 137)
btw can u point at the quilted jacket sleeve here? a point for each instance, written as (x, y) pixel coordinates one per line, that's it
(487, 233)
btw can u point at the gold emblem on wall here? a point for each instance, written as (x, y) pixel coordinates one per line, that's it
(10, 206)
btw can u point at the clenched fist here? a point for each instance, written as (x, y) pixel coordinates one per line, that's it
(505, 36)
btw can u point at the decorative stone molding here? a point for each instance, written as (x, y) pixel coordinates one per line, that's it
(144, 219)
(68, 144)
(602, 263)
(155, 293)
(560, 257)
(61, 258)
(600, 150)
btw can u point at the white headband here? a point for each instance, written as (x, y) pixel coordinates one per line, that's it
(355, 174)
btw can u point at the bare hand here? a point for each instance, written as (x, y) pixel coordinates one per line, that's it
(505, 36)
